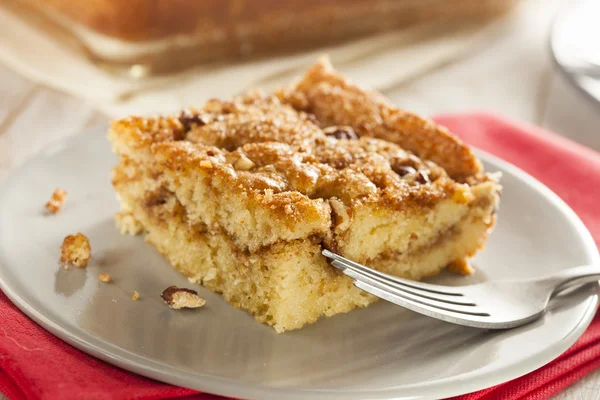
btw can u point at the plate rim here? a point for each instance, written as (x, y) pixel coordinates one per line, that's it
(117, 356)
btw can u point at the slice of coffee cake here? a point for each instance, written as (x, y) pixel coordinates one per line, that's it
(242, 195)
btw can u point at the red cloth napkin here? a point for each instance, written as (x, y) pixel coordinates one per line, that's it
(36, 365)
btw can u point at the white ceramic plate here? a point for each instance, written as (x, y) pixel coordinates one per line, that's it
(382, 351)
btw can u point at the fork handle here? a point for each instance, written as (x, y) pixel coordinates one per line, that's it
(574, 277)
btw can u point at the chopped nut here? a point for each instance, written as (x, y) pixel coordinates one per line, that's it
(410, 173)
(104, 278)
(179, 298)
(243, 163)
(56, 201)
(76, 250)
(135, 296)
(189, 120)
(413, 160)
(341, 132)
(404, 170)
(339, 214)
(422, 176)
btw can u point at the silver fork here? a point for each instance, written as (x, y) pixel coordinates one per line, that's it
(490, 305)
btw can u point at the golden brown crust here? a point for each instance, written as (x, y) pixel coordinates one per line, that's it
(282, 157)
(138, 133)
(336, 101)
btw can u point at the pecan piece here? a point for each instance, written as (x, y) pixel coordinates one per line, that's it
(341, 132)
(190, 120)
(404, 170)
(179, 298)
(408, 172)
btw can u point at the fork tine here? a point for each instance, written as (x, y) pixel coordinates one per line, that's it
(407, 296)
(479, 321)
(422, 295)
(427, 287)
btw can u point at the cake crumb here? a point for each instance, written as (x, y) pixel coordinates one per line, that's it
(461, 267)
(135, 296)
(104, 278)
(76, 250)
(179, 298)
(114, 300)
(56, 201)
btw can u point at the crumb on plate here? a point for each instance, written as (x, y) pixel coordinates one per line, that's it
(104, 278)
(135, 296)
(179, 298)
(56, 201)
(76, 250)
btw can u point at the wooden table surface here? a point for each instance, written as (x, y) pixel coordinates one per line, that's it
(513, 76)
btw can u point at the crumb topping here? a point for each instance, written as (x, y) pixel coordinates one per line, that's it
(296, 149)
(264, 146)
(334, 100)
